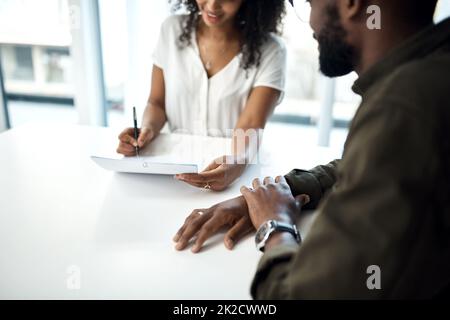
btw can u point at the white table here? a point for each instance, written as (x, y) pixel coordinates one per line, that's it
(58, 209)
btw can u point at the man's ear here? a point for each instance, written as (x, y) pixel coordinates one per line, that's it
(352, 9)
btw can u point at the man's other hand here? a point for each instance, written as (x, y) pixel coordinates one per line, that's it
(202, 224)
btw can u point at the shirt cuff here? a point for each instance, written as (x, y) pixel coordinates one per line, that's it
(304, 182)
(274, 261)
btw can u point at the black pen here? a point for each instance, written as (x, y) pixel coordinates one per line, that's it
(136, 135)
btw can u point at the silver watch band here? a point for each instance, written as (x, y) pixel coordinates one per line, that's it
(272, 226)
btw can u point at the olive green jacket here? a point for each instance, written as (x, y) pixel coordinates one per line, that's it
(387, 202)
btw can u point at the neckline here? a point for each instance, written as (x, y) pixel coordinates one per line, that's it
(197, 52)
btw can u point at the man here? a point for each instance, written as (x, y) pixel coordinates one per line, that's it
(383, 224)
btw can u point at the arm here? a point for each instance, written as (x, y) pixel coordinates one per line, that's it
(259, 108)
(153, 120)
(373, 217)
(225, 170)
(315, 182)
(155, 112)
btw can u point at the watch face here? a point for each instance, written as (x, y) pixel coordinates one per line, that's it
(261, 232)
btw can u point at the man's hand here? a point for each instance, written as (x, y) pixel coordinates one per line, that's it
(272, 200)
(204, 223)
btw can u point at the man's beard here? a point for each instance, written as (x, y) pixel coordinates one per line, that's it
(337, 58)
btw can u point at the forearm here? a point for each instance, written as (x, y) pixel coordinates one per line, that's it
(245, 144)
(154, 116)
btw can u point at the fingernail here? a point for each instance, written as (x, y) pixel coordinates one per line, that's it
(307, 199)
(195, 249)
(135, 144)
(179, 246)
(176, 238)
(230, 243)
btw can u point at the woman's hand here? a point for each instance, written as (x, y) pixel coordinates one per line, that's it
(217, 176)
(128, 144)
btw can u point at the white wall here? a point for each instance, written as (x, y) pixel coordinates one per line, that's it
(3, 116)
(87, 61)
(144, 19)
(443, 10)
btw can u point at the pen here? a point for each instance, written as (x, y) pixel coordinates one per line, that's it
(136, 135)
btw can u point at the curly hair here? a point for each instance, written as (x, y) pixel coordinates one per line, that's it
(255, 20)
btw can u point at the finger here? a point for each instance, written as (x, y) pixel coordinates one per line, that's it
(127, 131)
(218, 186)
(127, 154)
(215, 174)
(268, 180)
(195, 184)
(126, 150)
(256, 183)
(203, 177)
(237, 232)
(127, 136)
(215, 164)
(191, 178)
(180, 232)
(129, 140)
(126, 147)
(192, 227)
(302, 200)
(207, 231)
(145, 136)
(280, 179)
(203, 185)
(245, 192)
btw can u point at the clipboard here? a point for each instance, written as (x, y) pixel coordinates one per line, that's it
(168, 154)
(143, 165)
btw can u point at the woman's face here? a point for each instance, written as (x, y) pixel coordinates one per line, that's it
(217, 13)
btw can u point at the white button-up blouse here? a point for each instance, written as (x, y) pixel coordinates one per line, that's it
(201, 106)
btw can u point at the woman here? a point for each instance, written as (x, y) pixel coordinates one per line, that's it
(218, 70)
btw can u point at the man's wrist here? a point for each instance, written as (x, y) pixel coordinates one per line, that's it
(280, 238)
(271, 230)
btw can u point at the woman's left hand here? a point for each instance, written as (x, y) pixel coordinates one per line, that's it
(217, 176)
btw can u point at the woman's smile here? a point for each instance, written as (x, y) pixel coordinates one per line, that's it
(211, 17)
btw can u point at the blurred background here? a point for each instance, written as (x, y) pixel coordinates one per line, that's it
(89, 61)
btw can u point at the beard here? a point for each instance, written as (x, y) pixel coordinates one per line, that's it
(337, 58)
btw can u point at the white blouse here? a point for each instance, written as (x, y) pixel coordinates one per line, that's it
(201, 106)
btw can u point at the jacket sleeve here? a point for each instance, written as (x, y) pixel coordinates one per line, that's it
(374, 216)
(315, 182)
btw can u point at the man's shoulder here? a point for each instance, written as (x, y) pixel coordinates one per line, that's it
(422, 78)
(420, 86)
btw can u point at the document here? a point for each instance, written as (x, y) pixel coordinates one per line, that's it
(168, 154)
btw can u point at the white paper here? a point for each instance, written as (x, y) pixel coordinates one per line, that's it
(169, 154)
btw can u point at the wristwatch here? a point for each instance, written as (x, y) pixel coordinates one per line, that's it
(268, 228)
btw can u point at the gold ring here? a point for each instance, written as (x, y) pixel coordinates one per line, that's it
(200, 213)
(207, 187)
